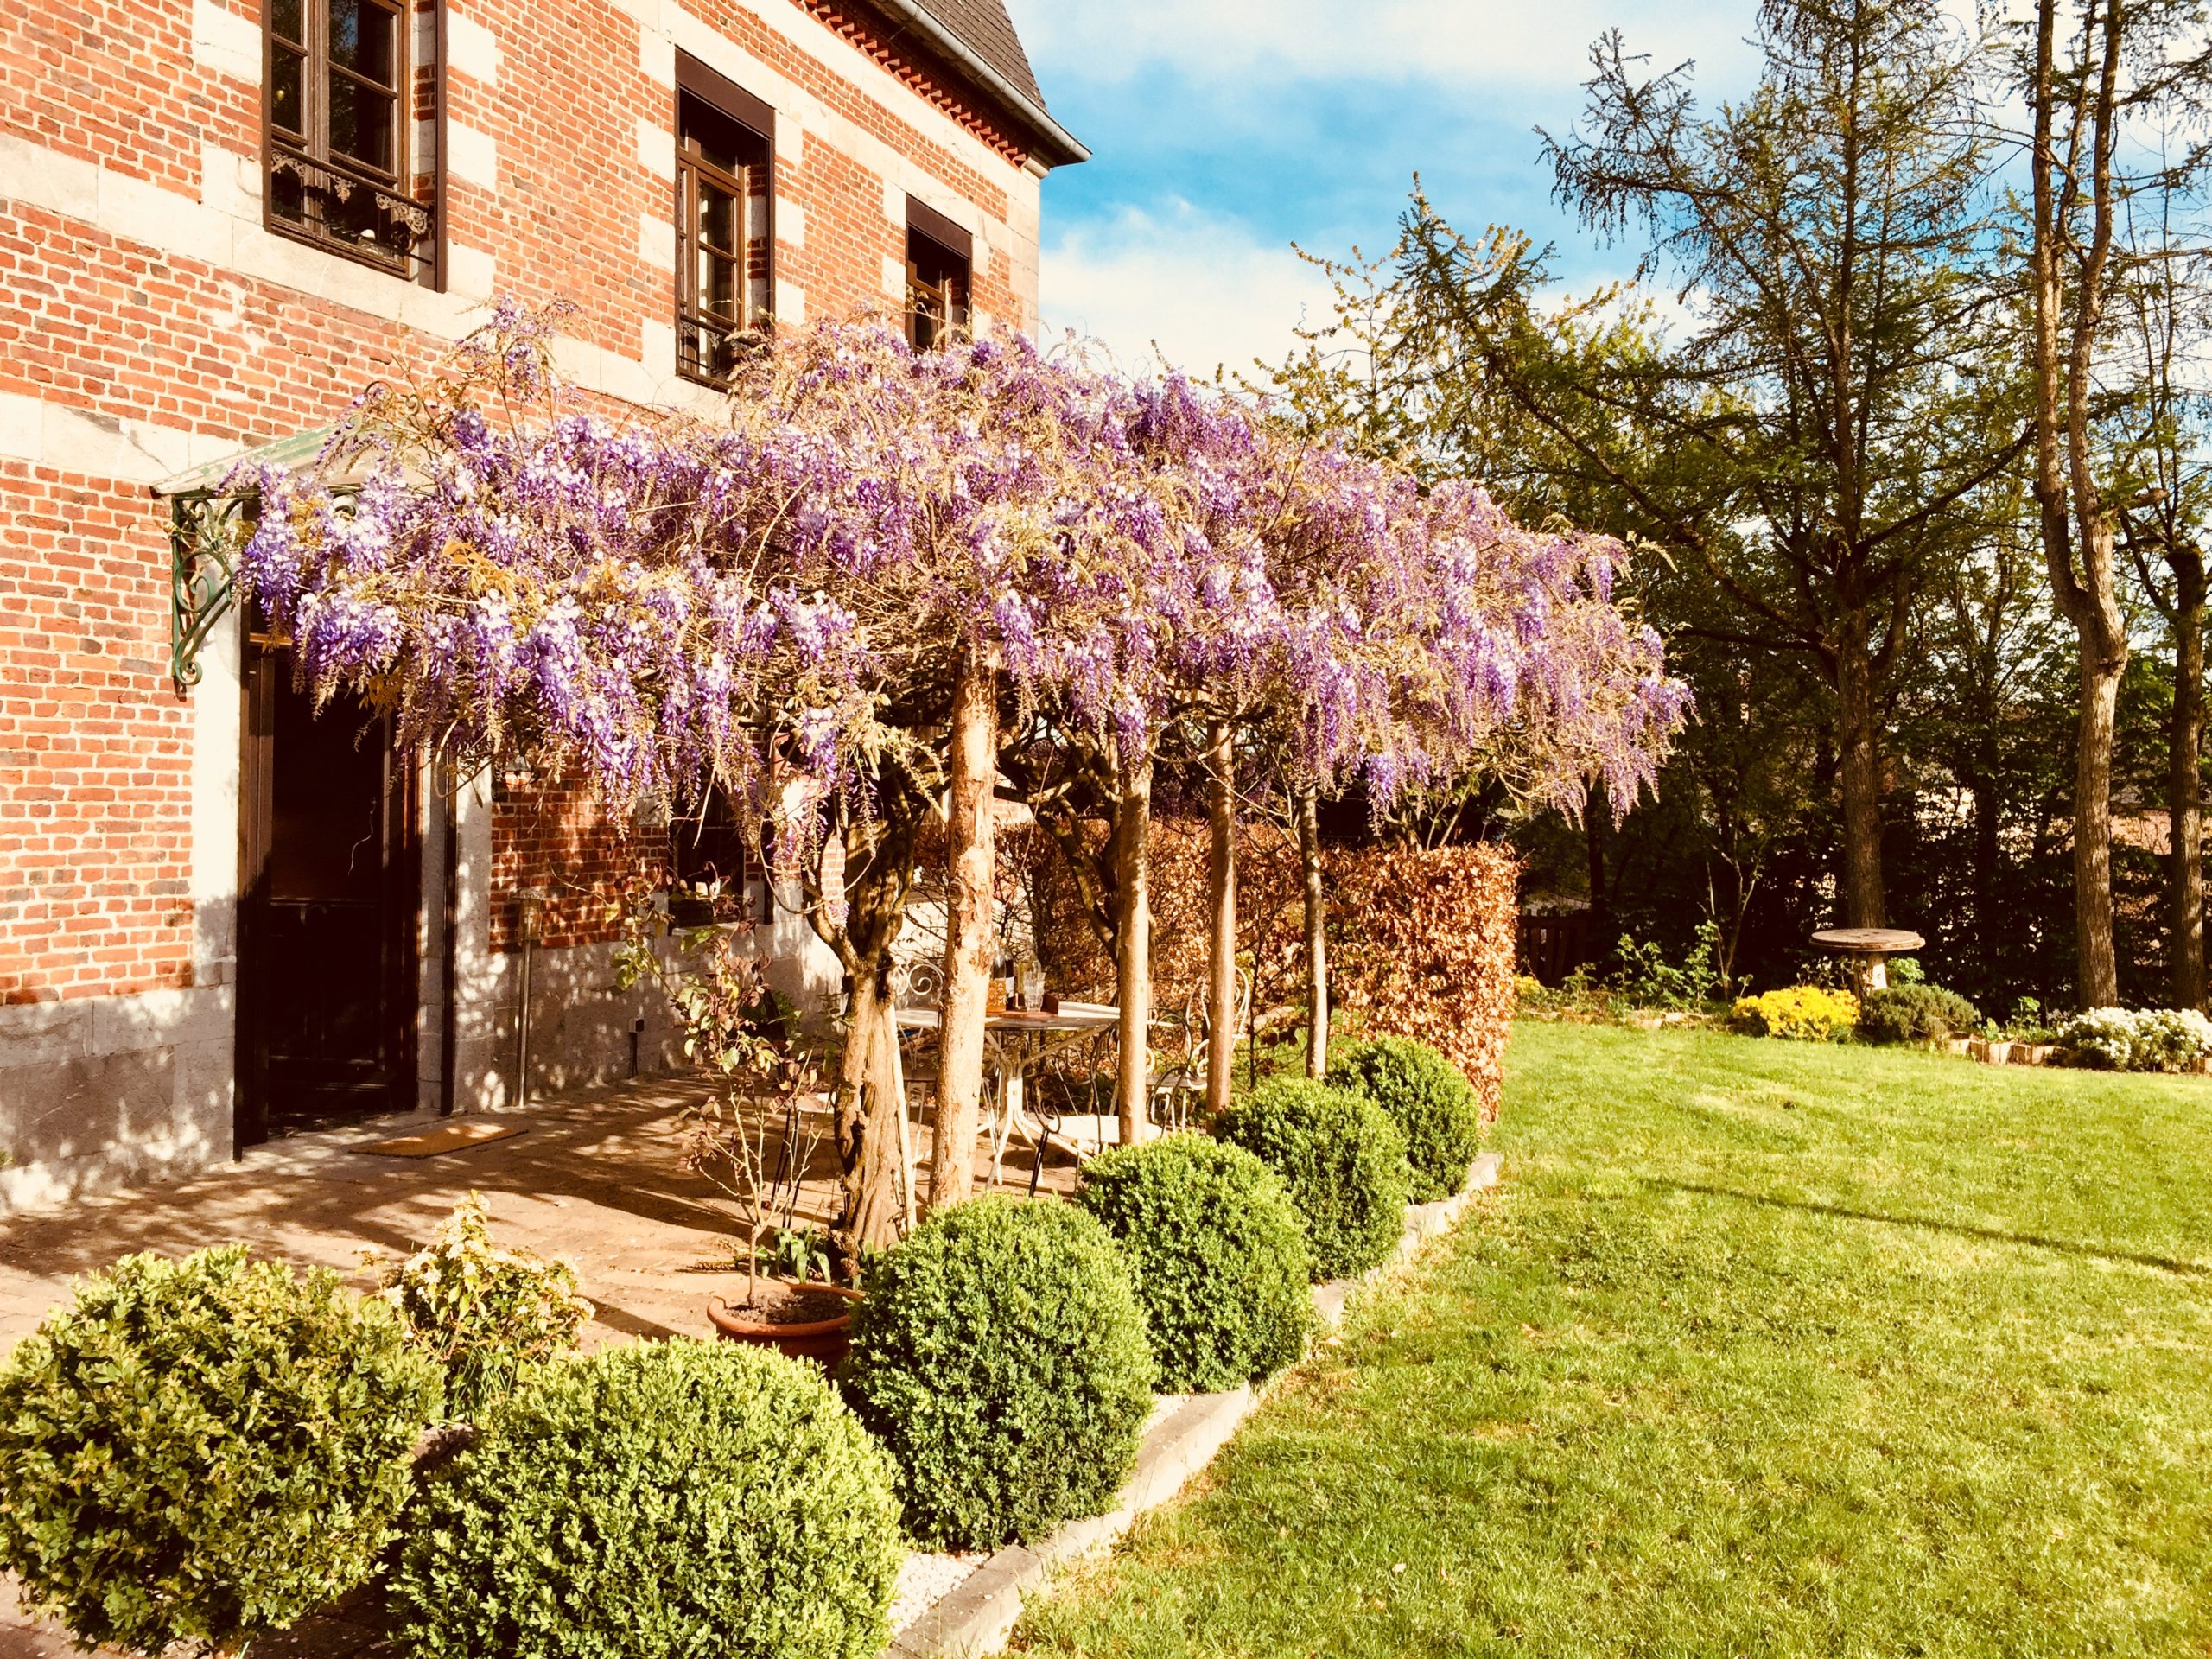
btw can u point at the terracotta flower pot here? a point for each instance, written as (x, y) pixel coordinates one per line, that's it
(823, 1341)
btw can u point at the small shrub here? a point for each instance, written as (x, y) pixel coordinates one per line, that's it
(481, 1311)
(2153, 1039)
(1916, 1013)
(1219, 1254)
(2170, 1039)
(205, 1449)
(668, 1499)
(1646, 977)
(1428, 1099)
(1343, 1160)
(1000, 1355)
(1803, 1013)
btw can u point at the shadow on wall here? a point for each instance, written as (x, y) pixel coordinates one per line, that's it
(105, 1091)
(585, 1032)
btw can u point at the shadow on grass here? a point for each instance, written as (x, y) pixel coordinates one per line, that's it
(1960, 1229)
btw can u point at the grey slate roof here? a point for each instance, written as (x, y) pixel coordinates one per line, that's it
(983, 27)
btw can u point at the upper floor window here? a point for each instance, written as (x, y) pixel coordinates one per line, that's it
(723, 207)
(339, 107)
(938, 253)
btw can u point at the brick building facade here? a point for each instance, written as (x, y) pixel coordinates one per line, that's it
(217, 221)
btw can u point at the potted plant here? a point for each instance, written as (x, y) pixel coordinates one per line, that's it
(797, 1312)
(753, 1137)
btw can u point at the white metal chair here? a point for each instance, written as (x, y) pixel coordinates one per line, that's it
(1183, 1078)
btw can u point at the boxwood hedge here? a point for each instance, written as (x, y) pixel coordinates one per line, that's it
(1219, 1254)
(1001, 1354)
(1343, 1158)
(1427, 1096)
(668, 1499)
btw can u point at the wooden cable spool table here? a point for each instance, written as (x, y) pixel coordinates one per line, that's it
(1868, 951)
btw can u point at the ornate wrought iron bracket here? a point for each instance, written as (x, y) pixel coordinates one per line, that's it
(203, 535)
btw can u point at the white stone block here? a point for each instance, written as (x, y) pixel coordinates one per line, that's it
(791, 222)
(472, 48)
(471, 273)
(656, 57)
(657, 241)
(60, 184)
(229, 182)
(44, 1034)
(23, 428)
(658, 340)
(124, 1025)
(472, 155)
(226, 43)
(656, 149)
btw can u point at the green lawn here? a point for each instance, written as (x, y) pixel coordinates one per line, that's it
(1762, 1349)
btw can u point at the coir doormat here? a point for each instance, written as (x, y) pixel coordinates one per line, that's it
(446, 1137)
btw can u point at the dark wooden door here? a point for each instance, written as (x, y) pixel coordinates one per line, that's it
(329, 895)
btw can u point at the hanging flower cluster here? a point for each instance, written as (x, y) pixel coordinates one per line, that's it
(779, 594)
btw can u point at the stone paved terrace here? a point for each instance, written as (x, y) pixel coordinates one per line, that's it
(595, 1178)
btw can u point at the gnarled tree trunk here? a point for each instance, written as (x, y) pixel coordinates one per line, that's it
(1131, 856)
(1859, 778)
(1220, 888)
(969, 933)
(877, 865)
(1307, 811)
(2184, 792)
(868, 1105)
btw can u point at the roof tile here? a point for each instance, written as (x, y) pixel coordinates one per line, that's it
(984, 28)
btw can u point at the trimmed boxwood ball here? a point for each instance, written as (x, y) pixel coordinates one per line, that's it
(1343, 1158)
(205, 1449)
(668, 1499)
(1219, 1254)
(1427, 1096)
(1001, 1354)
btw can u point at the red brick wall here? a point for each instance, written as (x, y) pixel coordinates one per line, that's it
(95, 789)
(556, 839)
(95, 746)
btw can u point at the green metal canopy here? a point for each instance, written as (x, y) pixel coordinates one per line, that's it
(205, 528)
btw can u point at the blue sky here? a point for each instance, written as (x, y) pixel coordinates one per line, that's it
(1223, 131)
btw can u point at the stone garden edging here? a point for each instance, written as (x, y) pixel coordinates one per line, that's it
(977, 1616)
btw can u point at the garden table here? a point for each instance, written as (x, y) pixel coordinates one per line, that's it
(1013, 1040)
(1868, 951)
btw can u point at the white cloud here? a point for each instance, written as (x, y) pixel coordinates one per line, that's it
(1205, 290)
(1486, 43)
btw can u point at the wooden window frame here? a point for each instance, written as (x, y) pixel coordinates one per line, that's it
(755, 257)
(947, 302)
(323, 175)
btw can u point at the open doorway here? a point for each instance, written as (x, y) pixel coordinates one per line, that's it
(329, 896)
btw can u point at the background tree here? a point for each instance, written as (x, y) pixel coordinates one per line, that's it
(2093, 72)
(2159, 427)
(1801, 442)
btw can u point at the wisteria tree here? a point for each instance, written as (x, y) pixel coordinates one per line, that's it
(821, 602)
